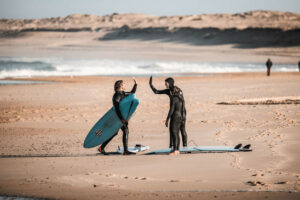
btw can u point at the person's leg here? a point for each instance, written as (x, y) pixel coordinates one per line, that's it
(183, 134)
(176, 138)
(171, 144)
(102, 147)
(174, 129)
(125, 140)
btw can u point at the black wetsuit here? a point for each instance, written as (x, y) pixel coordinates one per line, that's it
(176, 115)
(182, 123)
(118, 96)
(269, 65)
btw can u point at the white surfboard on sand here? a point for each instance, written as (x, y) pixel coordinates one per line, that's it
(135, 149)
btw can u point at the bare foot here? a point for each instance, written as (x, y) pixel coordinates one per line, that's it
(174, 153)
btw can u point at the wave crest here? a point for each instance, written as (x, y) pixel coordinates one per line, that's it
(57, 67)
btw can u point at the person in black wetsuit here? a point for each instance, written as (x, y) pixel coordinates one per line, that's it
(118, 96)
(171, 91)
(176, 116)
(269, 65)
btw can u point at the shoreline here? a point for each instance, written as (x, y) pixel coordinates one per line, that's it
(111, 68)
(180, 75)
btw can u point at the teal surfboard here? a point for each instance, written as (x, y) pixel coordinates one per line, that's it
(191, 149)
(110, 122)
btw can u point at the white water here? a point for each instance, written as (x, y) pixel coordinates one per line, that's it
(28, 67)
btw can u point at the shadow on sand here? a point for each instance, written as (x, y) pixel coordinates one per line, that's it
(246, 38)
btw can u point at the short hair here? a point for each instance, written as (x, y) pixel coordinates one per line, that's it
(118, 85)
(171, 81)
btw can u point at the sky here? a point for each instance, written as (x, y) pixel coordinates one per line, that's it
(36, 9)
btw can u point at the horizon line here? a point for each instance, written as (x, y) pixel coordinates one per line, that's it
(132, 13)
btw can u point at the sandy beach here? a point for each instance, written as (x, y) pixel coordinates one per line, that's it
(43, 126)
(53, 119)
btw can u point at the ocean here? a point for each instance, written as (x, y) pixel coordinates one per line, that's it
(33, 67)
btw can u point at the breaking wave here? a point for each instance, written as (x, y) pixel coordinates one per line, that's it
(27, 67)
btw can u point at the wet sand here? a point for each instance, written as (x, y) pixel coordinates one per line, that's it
(38, 121)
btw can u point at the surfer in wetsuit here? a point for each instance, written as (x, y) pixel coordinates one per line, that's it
(118, 96)
(176, 116)
(174, 91)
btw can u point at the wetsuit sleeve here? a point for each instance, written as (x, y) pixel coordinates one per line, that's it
(133, 90)
(172, 107)
(116, 102)
(166, 91)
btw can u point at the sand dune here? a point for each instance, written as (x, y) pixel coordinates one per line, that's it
(252, 19)
(249, 29)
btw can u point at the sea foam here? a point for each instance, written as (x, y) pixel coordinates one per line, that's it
(28, 67)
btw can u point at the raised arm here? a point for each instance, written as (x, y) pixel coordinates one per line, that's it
(133, 90)
(134, 87)
(155, 90)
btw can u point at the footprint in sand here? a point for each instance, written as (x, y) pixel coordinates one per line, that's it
(281, 182)
(141, 178)
(257, 174)
(255, 183)
(109, 175)
(174, 181)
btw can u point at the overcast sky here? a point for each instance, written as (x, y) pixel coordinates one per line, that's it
(53, 8)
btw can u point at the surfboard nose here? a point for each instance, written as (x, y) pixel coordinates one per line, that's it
(86, 144)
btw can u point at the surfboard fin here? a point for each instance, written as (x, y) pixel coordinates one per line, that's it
(238, 146)
(248, 146)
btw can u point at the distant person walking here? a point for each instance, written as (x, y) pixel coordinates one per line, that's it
(269, 65)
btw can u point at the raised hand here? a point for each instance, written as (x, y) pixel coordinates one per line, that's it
(167, 122)
(134, 80)
(125, 122)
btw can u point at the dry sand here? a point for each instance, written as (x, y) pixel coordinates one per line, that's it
(53, 119)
